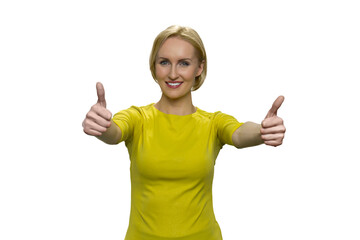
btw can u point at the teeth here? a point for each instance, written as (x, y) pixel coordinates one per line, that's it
(174, 84)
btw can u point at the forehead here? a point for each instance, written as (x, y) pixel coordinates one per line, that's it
(176, 47)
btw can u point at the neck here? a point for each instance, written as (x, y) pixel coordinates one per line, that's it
(176, 106)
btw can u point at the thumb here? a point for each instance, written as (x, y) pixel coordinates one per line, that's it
(276, 105)
(101, 94)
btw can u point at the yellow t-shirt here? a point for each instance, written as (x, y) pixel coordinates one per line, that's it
(172, 169)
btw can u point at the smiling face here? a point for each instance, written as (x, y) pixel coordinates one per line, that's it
(176, 67)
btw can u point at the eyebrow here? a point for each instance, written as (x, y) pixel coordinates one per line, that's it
(179, 59)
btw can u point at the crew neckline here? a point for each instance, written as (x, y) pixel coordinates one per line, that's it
(168, 114)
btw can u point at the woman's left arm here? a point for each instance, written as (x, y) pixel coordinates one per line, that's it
(271, 131)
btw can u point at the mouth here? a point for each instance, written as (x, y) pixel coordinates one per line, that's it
(173, 84)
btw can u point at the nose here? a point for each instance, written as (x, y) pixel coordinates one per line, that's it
(173, 73)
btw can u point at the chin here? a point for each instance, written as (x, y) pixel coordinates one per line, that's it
(175, 94)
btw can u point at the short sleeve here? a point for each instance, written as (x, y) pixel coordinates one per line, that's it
(226, 126)
(127, 120)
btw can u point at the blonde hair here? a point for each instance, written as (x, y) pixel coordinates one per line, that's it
(188, 34)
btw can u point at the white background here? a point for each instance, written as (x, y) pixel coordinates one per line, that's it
(58, 183)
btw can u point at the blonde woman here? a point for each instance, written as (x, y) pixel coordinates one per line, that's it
(173, 145)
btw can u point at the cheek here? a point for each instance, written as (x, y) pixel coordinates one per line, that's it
(194, 74)
(160, 72)
(188, 74)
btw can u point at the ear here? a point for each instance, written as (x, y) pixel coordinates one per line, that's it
(201, 68)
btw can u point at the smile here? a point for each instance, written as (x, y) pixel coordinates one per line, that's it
(173, 84)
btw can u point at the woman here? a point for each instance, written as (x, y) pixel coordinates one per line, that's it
(173, 145)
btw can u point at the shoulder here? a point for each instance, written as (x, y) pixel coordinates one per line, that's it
(211, 115)
(135, 112)
(218, 118)
(137, 109)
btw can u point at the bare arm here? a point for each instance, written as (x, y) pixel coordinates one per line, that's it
(247, 135)
(271, 131)
(112, 134)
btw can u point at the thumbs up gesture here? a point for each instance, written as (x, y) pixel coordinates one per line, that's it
(272, 127)
(98, 119)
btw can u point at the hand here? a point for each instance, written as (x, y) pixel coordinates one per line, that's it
(98, 119)
(272, 127)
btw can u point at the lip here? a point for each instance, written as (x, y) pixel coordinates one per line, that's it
(173, 87)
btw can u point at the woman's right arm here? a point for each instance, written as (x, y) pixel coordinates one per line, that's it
(98, 120)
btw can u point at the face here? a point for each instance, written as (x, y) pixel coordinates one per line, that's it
(176, 67)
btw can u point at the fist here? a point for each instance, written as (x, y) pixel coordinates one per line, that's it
(272, 127)
(98, 119)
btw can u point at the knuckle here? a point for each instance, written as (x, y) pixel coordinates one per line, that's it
(263, 123)
(108, 114)
(86, 131)
(85, 122)
(89, 115)
(95, 108)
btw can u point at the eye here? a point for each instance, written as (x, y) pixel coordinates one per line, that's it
(164, 62)
(184, 63)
